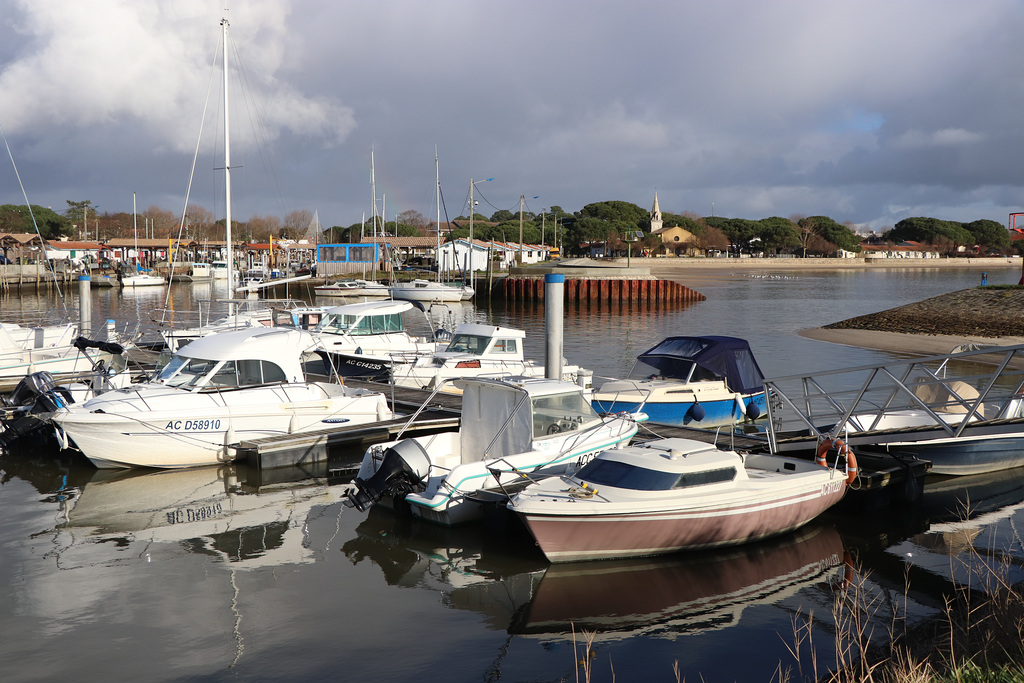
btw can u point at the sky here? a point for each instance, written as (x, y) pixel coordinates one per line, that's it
(868, 112)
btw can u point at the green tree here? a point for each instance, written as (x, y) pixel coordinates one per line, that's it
(618, 212)
(502, 215)
(930, 230)
(18, 219)
(778, 234)
(833, 232)
(988, 233)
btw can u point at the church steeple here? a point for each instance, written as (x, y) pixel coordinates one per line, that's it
(656, 221)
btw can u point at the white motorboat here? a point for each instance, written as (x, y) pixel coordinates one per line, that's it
(353, 288)
(178, 328)
(213, 393)
(19, 359)
(475, 350)
(510, 429)
(142, 279)
(692, 382)
(364, 339)
(14, 336)
(675, 494)
(431, 292)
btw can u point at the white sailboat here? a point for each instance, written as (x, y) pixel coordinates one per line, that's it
(214, 392)
(141, 278)
(436, 291)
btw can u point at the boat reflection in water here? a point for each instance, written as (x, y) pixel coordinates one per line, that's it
(209, 510)
(493, 574)
(972, 531)
(684, 593)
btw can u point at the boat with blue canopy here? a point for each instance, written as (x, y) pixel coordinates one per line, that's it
(702, 382)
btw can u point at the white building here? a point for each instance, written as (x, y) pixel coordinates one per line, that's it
(454, 255)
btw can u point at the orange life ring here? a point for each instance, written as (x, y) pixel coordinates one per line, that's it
(841, 450)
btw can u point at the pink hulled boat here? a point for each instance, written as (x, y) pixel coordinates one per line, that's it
(674, 494)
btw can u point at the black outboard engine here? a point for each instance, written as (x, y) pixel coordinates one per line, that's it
(36, 395)
(30, 388)
(404, 467)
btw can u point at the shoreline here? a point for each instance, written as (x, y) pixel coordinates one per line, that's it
(901, 342)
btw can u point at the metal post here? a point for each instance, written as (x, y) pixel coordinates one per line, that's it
(554, 285)
(84, 306)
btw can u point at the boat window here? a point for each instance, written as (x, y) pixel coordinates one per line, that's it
(558, 413)
(246, 373)
(185, 372)
(225, 376)
(506, 346)
(706, 477)
(468, 343)
(624, 476)
(361, 324)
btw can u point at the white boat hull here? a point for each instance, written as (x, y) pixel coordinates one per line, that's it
(168, 428)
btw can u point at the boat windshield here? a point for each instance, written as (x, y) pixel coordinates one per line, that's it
(666, 368)
(557, 413)
(622, 475)
(341, 323)
(469, 343)
(190, 373)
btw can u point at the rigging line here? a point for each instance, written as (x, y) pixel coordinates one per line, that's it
(451, 235)
(32, 214)
(192, 171)
(259, 128)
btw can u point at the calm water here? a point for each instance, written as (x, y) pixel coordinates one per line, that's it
(220, 574)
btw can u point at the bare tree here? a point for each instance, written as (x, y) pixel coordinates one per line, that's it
(260, 228)
(296, 224)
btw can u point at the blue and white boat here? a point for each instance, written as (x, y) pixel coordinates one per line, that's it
(690, 381)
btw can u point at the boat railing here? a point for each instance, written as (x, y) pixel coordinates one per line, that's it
(952, 393)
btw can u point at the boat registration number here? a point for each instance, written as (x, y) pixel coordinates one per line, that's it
(832, 487)
(194, 514)
(192, 425)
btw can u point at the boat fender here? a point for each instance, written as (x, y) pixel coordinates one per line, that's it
(696, 412)
(753, 412)
(293, 423)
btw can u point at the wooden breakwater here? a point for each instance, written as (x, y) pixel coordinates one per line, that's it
(600, 290)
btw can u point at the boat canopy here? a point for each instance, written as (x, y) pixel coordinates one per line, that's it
(726, 357)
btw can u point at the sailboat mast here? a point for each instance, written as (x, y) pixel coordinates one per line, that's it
(227, 171)
(373, 189)
(437, 250)
(135, 225)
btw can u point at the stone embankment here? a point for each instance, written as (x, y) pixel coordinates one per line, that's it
(989, 312)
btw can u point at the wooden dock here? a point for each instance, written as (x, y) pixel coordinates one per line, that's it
(291, 450)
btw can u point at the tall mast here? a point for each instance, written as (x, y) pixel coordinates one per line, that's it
(470, 259)
(227, 170)
(373, 189)
(437, 250)
(135, 224)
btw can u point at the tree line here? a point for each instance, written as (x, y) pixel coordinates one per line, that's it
(82, 220)
(611, 223)
(614, 223)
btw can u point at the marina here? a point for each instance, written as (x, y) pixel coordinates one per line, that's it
(261, 556)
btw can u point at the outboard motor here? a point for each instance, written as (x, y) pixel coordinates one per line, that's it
(30, 388)
(404, 466)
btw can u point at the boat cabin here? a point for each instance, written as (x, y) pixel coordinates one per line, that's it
(371, 317)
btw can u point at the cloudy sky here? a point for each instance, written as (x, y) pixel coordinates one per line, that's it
(867, 111)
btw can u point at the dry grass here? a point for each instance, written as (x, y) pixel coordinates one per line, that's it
(979, 637)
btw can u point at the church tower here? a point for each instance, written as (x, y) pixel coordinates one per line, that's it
(656, 222)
